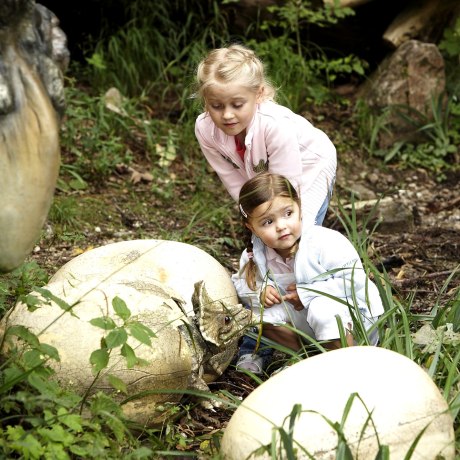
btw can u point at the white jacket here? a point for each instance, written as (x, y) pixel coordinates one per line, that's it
(326, 263)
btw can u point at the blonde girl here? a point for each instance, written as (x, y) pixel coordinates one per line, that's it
(243, 132)
(305, 276)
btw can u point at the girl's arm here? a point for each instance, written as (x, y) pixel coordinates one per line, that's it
(283, 150)
(297, 149)
(343, 271)
(229, 174)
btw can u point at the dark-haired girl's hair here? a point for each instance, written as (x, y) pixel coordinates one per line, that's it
(256, 191)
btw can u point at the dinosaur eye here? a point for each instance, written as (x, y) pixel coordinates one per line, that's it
(228, 319)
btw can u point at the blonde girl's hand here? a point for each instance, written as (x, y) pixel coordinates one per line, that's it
(293, 297)
(270, 296)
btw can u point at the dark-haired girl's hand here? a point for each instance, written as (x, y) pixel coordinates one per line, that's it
(293, 297)
(270, 296)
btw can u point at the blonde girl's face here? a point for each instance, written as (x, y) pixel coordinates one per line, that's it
(278, 224)
(232, 107)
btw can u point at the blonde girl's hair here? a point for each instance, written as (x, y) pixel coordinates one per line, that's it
(256, 191)
(233, 64)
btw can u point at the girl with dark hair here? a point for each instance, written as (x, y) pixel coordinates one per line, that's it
(302, 275)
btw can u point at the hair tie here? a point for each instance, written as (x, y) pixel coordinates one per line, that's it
(242, 212)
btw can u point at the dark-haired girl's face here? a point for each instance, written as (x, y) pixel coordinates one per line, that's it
(277, 223)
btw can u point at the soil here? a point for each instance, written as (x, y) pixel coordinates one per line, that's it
(420, 257)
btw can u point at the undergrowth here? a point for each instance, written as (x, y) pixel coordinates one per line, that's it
(149, 115)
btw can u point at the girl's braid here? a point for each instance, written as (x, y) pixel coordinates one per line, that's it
(250, 267)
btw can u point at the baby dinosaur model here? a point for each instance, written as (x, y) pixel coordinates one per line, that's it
(178, 291)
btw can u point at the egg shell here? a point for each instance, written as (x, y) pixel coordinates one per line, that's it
(395, 400)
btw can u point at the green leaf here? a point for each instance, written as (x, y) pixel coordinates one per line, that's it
(103, 403)
(72, 421)
(116, 338)
(119, 305)
(29, 447)
(99, 359)
(57, 300)
(50, 351)
(141, 332)
(117, 383)
(117, 427)
(383, 453)
(79, 450)
(129, 354)
(32, 358)
(57, 434)
(343, 451)
(33, 302)
(23, 333)
(104, 322)
(12, 376)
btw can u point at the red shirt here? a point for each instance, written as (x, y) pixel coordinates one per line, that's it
(240, 148)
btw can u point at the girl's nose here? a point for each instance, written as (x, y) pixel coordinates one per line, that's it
(228, 114)
(280, 224)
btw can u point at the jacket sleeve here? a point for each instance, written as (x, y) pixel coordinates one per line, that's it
(228, 173)
(298, 150)
(283, 150)
(343, 273)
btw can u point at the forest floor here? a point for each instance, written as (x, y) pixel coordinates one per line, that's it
(419, 255)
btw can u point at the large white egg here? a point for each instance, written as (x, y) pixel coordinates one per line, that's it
(171, 263)
(156, 280)
(392, 401)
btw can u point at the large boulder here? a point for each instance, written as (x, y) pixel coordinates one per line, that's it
(409, 81)
(391, 402)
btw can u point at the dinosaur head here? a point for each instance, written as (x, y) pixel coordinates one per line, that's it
(33, 57)
(219, 322)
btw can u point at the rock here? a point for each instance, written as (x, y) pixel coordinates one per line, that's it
(163, 284)
(361, 192)
(395, 399)
(411, 78)
(393, 214)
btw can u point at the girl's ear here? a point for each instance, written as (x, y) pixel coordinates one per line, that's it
(260, 95)
(249, 226)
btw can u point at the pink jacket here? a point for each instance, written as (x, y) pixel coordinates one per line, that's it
(277, 140)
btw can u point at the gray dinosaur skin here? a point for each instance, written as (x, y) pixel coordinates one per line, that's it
(33, 59)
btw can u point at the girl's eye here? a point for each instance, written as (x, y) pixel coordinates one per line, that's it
(267, 222)
(237, 106)
(215, 106)
(289, 213)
